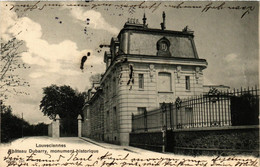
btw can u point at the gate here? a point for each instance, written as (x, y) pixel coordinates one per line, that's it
(244, 110)
(68, 127)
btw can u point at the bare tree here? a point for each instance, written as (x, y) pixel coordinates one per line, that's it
(9, 62)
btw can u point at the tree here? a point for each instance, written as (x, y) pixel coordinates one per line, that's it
(9, 62)
(66, 102)
(62, 100)
(13, 125)
(16, 127)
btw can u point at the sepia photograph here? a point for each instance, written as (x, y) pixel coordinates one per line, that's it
(129, 83)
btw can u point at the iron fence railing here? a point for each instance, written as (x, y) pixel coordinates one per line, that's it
(214, 109)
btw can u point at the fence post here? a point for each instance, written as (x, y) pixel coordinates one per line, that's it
(164, 126)
(133, 122)
(170, 111)
(145, 120)
(178, 107)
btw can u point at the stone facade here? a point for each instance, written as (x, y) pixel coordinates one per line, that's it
(145, 67)
(93, 111)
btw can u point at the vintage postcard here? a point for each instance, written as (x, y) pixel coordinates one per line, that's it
(129, 83)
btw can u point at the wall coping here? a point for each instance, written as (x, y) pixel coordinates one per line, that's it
(204, 129)
(217, 128)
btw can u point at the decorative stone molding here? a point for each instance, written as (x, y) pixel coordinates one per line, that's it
(131, 76)
(178, 102)
(152, 71)
(119, 75)
(178, 73)
(213, 94)
(197, 73)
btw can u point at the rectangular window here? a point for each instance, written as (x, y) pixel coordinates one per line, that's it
(114, 86)
(166, 104)
(164, 82)
(187, 82)
(114, 118)
(107, 122)
(141, 81)
(107, 93)
(141, 110)
(188, 116)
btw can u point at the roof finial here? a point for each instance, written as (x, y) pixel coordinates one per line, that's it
(144, 20)
(163, 23)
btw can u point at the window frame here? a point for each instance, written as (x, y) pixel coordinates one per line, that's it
(187, 83)
(141, 108)
(114, 86)
(170, 84)
(108, 121)
(141, 84)
(115, 127)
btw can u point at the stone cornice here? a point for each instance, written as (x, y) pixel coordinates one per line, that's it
(132, 58)
(154, 31)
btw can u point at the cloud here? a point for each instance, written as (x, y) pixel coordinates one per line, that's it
(50, 63)
(96, 20)
(36, 74)
(7, 20)
(62, 58)
(234, 70)
(40, 52)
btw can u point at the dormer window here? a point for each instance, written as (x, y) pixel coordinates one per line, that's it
(114, 47)
(163, 46)
(117, 50)
(107, 58)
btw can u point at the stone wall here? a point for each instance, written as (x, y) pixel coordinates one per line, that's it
(97, 118)
(147, 140)
(214, 141)
(243, 140)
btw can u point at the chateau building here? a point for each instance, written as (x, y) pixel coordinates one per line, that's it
(145, 67)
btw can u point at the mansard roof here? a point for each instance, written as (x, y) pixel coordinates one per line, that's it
(144, 29)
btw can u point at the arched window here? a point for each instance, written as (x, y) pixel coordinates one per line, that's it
(163, 46)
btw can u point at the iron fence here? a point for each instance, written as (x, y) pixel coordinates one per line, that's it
(213, 109)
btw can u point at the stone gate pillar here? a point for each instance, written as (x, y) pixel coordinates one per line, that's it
(79, 125)
(56, 127)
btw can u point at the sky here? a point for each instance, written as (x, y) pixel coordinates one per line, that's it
(56, 37)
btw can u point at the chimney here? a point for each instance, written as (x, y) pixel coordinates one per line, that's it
(144, 20)
(163, 23)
